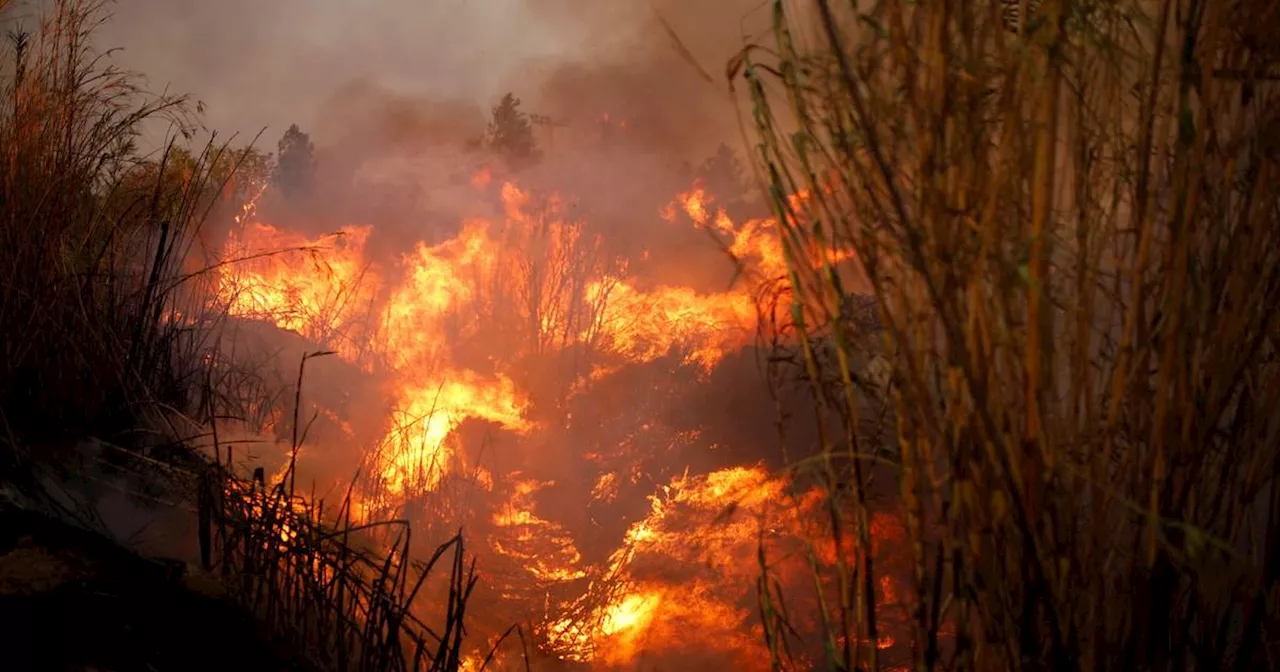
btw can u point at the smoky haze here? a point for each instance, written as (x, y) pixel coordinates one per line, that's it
(266, 65)
(390, 90)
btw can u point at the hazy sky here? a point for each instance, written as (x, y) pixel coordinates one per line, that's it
(257, 63)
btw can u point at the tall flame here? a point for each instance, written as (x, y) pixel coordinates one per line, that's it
(447, 327)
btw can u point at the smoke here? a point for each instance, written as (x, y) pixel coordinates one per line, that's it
(390, 91)
(627, 94)
(257, 65)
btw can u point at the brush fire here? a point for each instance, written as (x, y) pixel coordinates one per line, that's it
(533, 388)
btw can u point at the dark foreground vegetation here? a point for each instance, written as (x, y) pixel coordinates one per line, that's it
(1071, 228)
(106, 333)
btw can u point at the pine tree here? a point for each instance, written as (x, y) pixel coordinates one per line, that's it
(511, 133)
(295, 164)
(725, 178)
(723, 173)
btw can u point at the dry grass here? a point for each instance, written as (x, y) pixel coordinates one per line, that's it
(323, 589)
(317, 580)
(94, 243)
(1070, 235)
(107, 330)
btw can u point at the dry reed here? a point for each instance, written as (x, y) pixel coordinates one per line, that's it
(1070, 236)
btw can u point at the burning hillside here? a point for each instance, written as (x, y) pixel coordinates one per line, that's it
(534, 388)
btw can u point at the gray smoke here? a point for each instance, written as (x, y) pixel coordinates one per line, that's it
(257, 64)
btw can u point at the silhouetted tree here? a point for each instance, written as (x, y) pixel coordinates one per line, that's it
(511, 133)
(295, 167)
(724, 177)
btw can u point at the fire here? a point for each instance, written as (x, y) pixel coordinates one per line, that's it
(554, 557)
(427, 415)
(609, 123)
(645, 325)
(313, 287)
(682, 579)
(285, 280)
(450, 330)
(756, 239)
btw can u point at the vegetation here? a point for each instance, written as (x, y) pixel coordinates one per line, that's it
(510, 133)
(1067, 258)
(92, 243)
(295, 170)
(316, 586)
(108, 330)
(1070, 234)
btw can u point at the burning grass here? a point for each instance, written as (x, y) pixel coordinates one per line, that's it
(325, 589)
(527, 382)
(542, 395)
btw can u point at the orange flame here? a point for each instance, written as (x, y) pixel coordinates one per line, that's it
(529, 283)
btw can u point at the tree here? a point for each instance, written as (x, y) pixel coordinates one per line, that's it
(510, 133)
(725, 178)
(295, 164)
(253, 168)
(240, 172)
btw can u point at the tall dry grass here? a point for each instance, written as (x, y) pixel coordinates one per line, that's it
(101, 328)
(348, 594)
(109, 328)
(1072, 237)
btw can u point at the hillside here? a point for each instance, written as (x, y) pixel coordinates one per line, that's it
(71, 599)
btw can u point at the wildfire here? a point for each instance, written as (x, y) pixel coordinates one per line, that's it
(427, 415)
(755, 240)
(645, 325)
(683, 578)
(552, 555)
(450, 330)
(313, 287)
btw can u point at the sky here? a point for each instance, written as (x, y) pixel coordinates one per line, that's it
(267, 63)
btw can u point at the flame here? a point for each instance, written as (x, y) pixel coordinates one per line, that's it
(645, 325)
(683, 577)
(553, 556)
(314, 287)
(756, 241)
(449, 328)
(427, 415)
